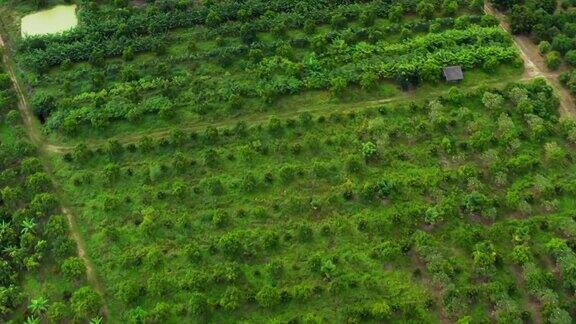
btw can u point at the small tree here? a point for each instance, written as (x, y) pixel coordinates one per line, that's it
(450, 7)
(381, 310)
(85, 303)
(571, 58)
(396, 13)
(425, 9)
(73, 268)
(231, 298)
(492, 101)
(544, 47)
(268, 297)
(57, 312)
(96, 320)
(553, 60)
(128, 54)
(338, 85)
(198, 305)
(369, 150)
(484, 255)
(38, 306)
(562, 43)
(432, 216)
(521, 254)
(554, 152)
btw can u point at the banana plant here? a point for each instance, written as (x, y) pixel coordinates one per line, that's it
(38, 305)
(32, 320)
(28, 226)
(97, 320)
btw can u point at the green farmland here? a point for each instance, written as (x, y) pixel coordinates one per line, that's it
(179, 161)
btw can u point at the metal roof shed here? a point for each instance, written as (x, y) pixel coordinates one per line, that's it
(453, 73)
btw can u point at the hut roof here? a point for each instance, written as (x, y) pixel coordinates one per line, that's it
(453, 73)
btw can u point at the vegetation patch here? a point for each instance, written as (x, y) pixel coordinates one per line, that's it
(398, 212)
(39, 270)
(220, 59)
(286, 161)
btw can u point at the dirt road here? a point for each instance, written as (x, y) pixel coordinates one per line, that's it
(535, 65)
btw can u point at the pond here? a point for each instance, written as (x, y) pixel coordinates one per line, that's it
(55, 20)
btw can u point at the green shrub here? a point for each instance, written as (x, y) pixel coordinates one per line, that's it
(268, 297)
(85, 303)
(73, 268)
(571, 58)
(553, 60)
(544, 47)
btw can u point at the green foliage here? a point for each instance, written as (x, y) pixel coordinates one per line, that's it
(571, 58)
(544, 47)
(214, 211)
(553, 60)
(369, 150)
(38, 306)
(268, 297)
(73, 268)
(85, 303)
(521, 254)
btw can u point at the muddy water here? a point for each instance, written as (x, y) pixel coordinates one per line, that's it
(55, 20)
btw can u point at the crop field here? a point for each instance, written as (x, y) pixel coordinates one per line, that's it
(284, 161)
(311, 213)
(241, 64)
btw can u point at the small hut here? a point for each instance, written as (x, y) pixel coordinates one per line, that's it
(453, 73)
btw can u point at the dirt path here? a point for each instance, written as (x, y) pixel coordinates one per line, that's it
(90, 272)
(33, 130)
(535, 65)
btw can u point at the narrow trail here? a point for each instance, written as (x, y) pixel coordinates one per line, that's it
(29, 121)
(90, 272)
(32, 128)
(535, 65)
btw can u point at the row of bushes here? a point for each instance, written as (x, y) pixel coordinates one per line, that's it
(139, 30)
